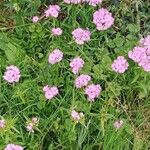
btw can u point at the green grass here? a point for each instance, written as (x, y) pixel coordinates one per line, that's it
(126, 96)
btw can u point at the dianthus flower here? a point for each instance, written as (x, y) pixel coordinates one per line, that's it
(76, 64)
(55, 56)
(141, 55)
(50, 92)
(52, 11)
(103, 19)
(93, 91)
(56, 31)
(2, 123)
(120, 65)
(32, 124)
(13, 147)
(35, 19)
(145, 41)
(81, 35)
(82, 81)
(12, 74)
(118, 124)
(72, 1)
(93, 2)
(76, 116)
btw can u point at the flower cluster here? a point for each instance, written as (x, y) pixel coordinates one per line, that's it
(32, 124)
(118, 124)
(52, 11)
(50, 92)
(90, 2)
(55, 57)
(2, 123)
(103, 19)
(93, 91)
(12, 74)
(145, 42)
(56, 31)
(13, 147)
(82, 81)
(76, 64)
(120, 65)
(141, 55)
(81, 35)
(76, 116)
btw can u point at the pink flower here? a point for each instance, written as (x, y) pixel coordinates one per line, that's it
(76, 116)
(35, 120)
(52, 11)
(81, 36)
(50, 92)
(120, 65)
(57, 31)
(145, 41)
(12, 74)
(13, 147)
(93, 91)
(118, 124)
(82, 81)
(103, 19)
(2, 123)
(30, 127)
(35, 19)
(93, 2)
(76, 64)
(72, 1)
(55, 57)
(141, 55)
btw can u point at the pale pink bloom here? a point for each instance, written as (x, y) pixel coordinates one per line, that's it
(118, 124)
(76, 116)
(145, 41)
(55, 56)
(50, 92)
(30, 127)
(93, 2)
(52, 11)
(2, 123)
(72, 1)
(120, 65)
(82, 81)
(56, 31)
(35, 19)
(35, 120)
(13, 147)
(76, 64)
(103, 19)
(12, 74)
(81, 35)
(93, 91)
(141, 55)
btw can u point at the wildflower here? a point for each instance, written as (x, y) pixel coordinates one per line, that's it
(76, 64)
(118, 124)
(50, 92)
(141, 55)
(12, 74)
(93, 2)
(103, 19)
(76, 116)
(2, 123)
(82, 81)
(120, 65)
(145, 41)
(35, 19)
(13, 147)
(52, 11)
(93, 91)
(55, 57)
(56, 31)
(72, 1)
(81, 35)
